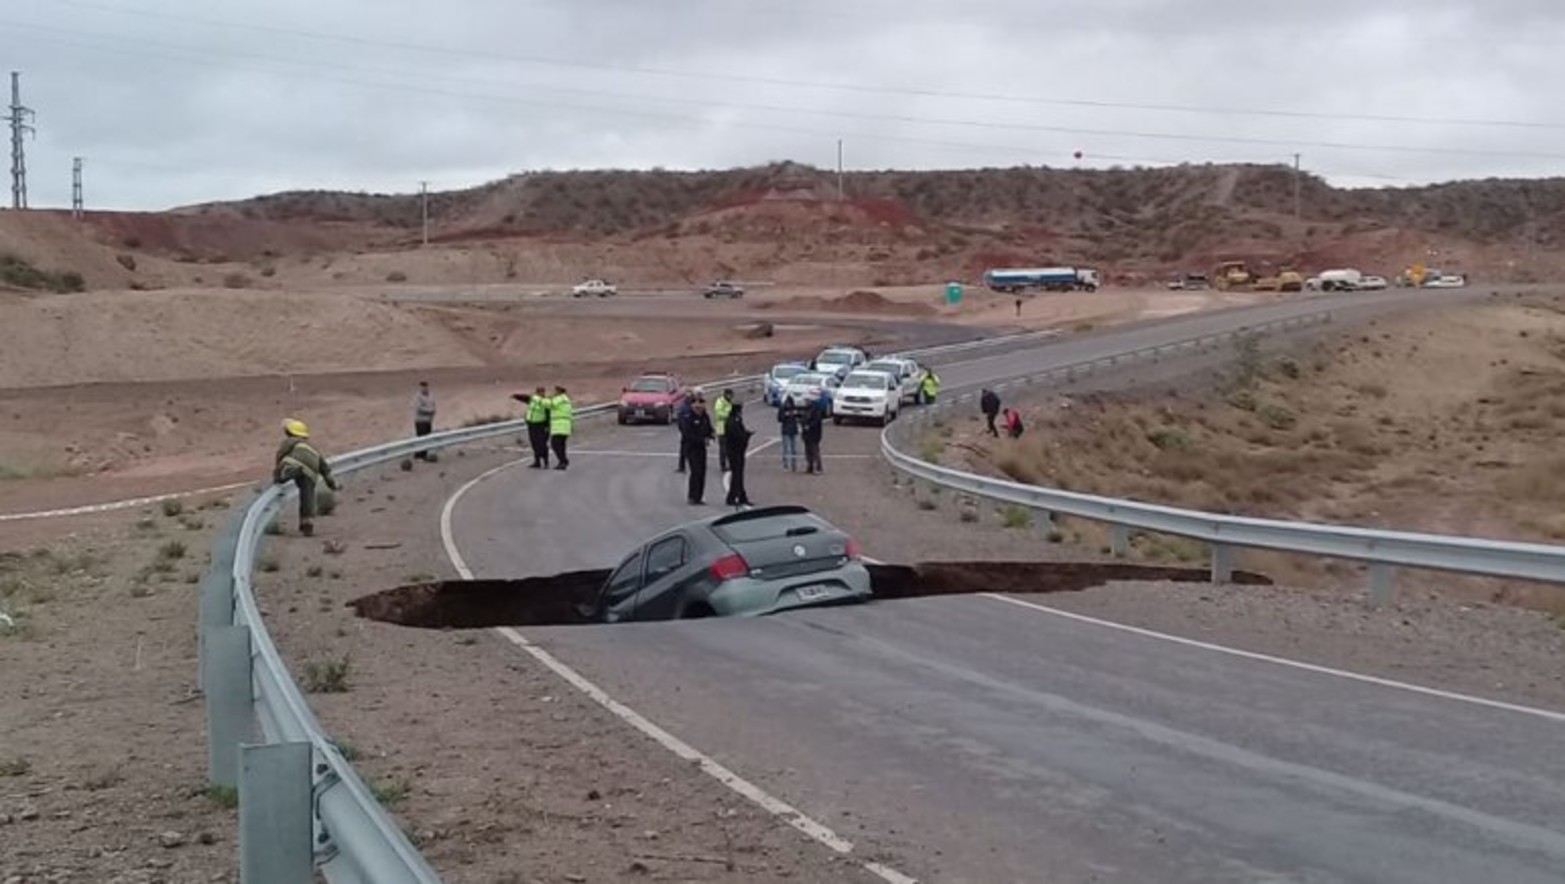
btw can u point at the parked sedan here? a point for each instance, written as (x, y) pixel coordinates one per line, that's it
(777, 377)
(839, 359)
(868, 395)
(810, 386)
(729, 290)
(748, 563)
(651, 397)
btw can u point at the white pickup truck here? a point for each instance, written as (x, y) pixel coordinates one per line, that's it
(592, 287)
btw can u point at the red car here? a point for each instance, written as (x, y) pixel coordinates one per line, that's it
(651, 397)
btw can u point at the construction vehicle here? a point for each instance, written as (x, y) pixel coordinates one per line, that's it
(1416, 275)
(1232, 276)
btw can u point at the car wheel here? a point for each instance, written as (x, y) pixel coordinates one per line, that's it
(696, 611)
(623, 419)
(837, 419)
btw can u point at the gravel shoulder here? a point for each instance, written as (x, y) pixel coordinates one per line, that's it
(102, 758)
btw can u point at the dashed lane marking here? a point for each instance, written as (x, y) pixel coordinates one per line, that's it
(739, 785)
(92, 508)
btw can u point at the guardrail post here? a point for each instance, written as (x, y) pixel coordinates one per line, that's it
(276, 828)
(1222, 563)
(1119, 540)
(1382, 584)
(229, 699)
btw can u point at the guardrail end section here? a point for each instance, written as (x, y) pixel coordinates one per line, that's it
(275, 814)
(230, 713)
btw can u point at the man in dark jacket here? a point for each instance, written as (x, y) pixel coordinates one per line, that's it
(680, 417)
(694, 433)
(989, 403)
(814, 419)
(736, 440)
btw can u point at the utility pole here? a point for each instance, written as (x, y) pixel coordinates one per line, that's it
(1297, 182)
(19, 127)
(423, 191)
(76, 187)
(840, 196)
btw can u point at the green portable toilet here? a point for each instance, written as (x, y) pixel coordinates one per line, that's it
(953, 293)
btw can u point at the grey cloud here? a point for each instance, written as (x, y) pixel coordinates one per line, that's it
(169, 111)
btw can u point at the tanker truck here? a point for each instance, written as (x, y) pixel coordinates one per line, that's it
(1051, 279)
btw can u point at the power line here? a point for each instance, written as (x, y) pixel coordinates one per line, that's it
(858, 115)
(808, 84)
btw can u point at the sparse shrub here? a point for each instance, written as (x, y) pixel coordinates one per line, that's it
(968, 514)
(926, 503)
(1373, 391)
(17, 272)
(236, 280)
(1276, 417)
(131, 242)
(15, 767)
(226, 797)
(1247, 368)
(1056, 537)
(126, 261)
(396, 276)
(327, 676)
(269, 564)
(1013, 516)
(1244, 400)
(931, 448)
(173, 507)
(174, 549)
(347, 750)
(314, 571)
(274, 527)
(391, 792)
(268, 271)
(1170, 439)
(1288, 368)
(191, 523)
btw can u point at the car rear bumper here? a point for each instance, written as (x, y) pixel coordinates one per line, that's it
(751, 598)
(862, 409)
(634, 413)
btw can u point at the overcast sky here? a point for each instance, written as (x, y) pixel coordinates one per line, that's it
(172, 102)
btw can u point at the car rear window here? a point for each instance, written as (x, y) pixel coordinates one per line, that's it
(814, 380)
(783, 372)
(769, 528)
(651, 385)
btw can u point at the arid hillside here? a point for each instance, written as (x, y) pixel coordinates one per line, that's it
(1131, 221)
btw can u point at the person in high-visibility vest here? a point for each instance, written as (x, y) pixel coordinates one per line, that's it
(537, 420)
(930, 386)
(560, 426)
(300, 463)
(721, 409)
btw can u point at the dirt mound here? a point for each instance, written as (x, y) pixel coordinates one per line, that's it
(861, 301)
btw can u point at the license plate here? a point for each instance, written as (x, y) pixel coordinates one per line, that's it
(811, 593)
(642, 412)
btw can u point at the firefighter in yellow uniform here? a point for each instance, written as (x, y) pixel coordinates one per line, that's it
(560, 427)
(930, 386)
(300, 463)
(721, 409)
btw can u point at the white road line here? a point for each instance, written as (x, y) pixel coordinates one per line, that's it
(741, 786)
(1547, 714)
(612, 453)
(88, 509)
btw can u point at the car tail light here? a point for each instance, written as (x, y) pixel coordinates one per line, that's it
(853, 550)
(730, 566)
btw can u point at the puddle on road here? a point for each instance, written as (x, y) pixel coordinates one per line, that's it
(566, 599)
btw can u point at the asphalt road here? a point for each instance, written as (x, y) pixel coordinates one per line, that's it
(975, 739)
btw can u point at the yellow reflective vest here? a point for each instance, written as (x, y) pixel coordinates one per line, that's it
(560, 415)
(931, 383)
(538, 409)
(721, 409)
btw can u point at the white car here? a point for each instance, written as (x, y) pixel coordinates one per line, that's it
(809, 386)
(870, 395)
(594, 288)
(839, 359)
(1371, 283)
(909, 374)
(1446, 282)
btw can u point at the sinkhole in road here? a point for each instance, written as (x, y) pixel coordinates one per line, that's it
(567, 599)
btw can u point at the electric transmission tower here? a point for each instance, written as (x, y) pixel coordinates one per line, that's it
(19, 128)
(76, 187)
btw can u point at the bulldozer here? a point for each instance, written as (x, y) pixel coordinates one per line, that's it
(1232, 276)
(1284, 281)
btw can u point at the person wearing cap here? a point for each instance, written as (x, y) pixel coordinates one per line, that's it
(686, 399)
(694, 433)
(736, 441)
(302, 464)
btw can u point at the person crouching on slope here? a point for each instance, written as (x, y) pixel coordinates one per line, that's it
(300, 463)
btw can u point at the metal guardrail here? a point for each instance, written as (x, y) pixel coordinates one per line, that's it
(1383, 550)
(302, 807)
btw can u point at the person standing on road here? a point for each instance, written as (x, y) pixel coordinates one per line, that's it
(560, 422)
(537, 420)
(423, 414)
(788, 428)
(695, 432)
(736, 439)
(989, 404)
(300, 463)
(721, 408)
(680, 418)
(814, 421)
(930, 387)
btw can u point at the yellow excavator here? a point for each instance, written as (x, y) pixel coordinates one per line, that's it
(1230, 276)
